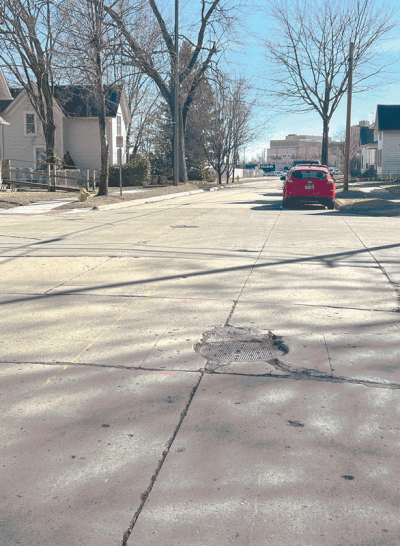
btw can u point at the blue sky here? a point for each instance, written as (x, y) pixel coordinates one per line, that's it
(251, 64)
(311, 124)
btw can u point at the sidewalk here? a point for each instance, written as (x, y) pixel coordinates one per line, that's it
(370, 198)
(28, 203)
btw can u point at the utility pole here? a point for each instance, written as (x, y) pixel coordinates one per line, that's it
(176, 97)
(348, 121)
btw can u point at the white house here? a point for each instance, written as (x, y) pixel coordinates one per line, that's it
(77, 125)
(387, 134)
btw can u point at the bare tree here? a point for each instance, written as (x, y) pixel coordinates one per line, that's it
(143, 102)
(230, 127)
(216, 17)
(86, 50)
(308, 53)
(27, 37)
(339, 144)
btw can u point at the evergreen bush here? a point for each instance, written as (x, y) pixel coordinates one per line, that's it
(134, 173)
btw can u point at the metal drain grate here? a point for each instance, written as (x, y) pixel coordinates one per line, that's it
(239, 351)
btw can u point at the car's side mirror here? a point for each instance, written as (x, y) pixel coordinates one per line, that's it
(283, 177)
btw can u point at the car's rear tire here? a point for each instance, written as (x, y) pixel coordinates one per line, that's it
(285, 203)
(331, 205)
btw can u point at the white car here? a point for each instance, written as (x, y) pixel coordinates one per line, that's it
(280, 173)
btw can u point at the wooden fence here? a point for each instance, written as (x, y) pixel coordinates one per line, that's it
(51, 179)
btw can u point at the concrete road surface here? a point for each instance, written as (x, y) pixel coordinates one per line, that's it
(208, 370)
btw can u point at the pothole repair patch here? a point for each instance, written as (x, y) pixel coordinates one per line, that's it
(224, 346)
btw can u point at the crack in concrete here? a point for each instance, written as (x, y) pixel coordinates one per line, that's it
(310, 374)
(67, 281)
(329, 358)
(306, 374)
(367, 309)
(144, 496)
(235, 302)
(128, 367)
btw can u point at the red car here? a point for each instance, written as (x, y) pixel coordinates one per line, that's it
(310, 184)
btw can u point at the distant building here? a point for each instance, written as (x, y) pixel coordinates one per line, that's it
(369, 148)
(283, 152)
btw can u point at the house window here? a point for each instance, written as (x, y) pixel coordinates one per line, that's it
(119, 125)
(30, 126)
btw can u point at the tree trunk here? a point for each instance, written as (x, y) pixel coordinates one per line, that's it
(49, 126)
(325, 142)
(183, 177)
(101, 112)
(104, 151)
(219, 171)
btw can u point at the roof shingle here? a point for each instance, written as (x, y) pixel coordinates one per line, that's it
(388, 116)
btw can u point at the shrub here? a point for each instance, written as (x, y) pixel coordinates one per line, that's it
(201, 173)
(134, 173)
(160, 168)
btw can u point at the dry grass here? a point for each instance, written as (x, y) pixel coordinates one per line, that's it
(372, 203)
(10, 199)
(20, 198)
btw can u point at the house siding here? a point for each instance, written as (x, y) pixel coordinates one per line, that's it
(391, 152)
(17, 146)
(82, 140)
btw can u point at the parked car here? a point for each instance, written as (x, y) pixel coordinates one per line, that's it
(306, 162)
(310, 184)
(280, 173)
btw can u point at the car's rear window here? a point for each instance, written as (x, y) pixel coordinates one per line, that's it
(321, 175)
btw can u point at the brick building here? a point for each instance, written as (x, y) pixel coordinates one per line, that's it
(283, 152)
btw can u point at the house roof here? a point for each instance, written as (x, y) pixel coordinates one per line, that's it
(4, 103)
(366, 135)
(79, 101)
(4, 89)
(388, 117)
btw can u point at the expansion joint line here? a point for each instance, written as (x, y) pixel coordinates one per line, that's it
(167, 449)
(395, 285)
(250, 273)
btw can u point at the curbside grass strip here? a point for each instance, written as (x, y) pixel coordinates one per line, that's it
(144, 200)
(135, 202)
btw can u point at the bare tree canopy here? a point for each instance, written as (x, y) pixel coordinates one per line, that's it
(214, 21)
(231, 123)
(308, 52)
(85, 49)
(27, 37)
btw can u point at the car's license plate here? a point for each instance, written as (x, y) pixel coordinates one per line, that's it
(309, 186)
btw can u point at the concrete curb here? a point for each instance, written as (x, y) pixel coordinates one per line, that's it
(376, 207)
